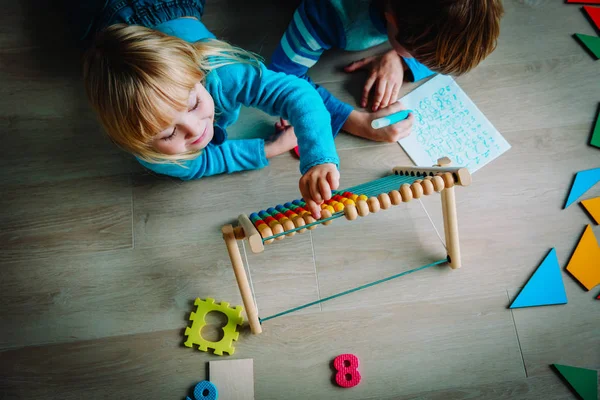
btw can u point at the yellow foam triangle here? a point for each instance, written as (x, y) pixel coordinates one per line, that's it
(593, 207)
(584, 264)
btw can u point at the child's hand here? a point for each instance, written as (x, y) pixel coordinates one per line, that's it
(281, 142)
(316, 186)
(399, 130)
(386, 74)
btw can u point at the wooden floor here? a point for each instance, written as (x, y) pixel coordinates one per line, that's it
(100, 261)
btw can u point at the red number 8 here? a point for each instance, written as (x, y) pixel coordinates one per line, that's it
(347, 373)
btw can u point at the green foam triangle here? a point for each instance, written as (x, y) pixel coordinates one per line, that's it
(591, 42)
(596, 133)
(583, 381)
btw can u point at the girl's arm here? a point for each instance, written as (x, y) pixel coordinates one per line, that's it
(231, 156)
(282, 95)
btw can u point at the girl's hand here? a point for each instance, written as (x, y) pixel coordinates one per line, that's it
(386, 74)
(281, 142)
(316, 186)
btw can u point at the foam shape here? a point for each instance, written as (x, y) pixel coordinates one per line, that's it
(595, 140)
(594, 14)
(347, 375)
(205, 391)
(591, 43)
(230, 333)
(584, 381)
(584, 1)
(592, 206)
(584, 264)
(545, 287)
(584, 180)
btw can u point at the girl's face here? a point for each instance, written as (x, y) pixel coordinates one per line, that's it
(192, 129)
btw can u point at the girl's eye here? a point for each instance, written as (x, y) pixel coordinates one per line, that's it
(196, 106)
(172, 135)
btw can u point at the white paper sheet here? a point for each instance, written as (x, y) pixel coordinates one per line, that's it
(449, 124)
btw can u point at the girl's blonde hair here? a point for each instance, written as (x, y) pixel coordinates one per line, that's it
(136, 78)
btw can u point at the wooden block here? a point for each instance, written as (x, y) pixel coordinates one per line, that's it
(590, 43)
(584, 264)
(234, 379)
(592, 206)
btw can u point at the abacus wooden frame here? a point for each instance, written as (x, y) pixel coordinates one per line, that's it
(440, 178)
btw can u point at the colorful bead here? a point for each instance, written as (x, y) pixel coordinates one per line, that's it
(338, 207)
(362, 197)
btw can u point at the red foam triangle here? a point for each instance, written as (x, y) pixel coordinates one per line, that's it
(584, 1)
(594, 13)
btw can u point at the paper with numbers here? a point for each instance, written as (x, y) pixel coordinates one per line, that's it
(449, 124)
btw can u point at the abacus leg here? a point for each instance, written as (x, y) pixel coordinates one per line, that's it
(241, 278)
(451, 226)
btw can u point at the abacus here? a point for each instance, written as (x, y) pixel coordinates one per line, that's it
(285, 220)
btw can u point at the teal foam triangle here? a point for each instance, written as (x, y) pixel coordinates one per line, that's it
(545, 287)
(584, 381)
(584, 180)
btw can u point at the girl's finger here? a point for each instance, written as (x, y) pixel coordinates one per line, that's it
(334, 179)
(395, 94)
(313, 187)
(324, 188)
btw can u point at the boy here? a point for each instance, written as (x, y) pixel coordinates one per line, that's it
(427, 36)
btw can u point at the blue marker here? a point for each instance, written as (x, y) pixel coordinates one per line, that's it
(390, 119)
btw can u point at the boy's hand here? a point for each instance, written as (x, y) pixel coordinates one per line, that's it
(316, 186)
(386, 75)
(282, 142)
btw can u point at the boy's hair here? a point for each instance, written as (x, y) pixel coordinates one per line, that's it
(448, 36)
(136, 77)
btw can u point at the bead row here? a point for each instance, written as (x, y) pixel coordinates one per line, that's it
(406, 192)
(293, 215)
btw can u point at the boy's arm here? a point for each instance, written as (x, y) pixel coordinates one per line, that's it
(279, 94)
(416, 71)
(314, 28)
(231, 156)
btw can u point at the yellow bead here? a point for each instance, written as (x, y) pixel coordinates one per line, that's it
(331, 209)
(338, 207)
(348, 202)
(324, 206)
(363, 197)
(354, 197)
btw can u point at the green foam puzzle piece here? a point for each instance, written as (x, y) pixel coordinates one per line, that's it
(584, 381)
(592, 43)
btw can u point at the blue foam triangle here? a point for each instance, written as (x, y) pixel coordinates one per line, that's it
(545, 287)
(584, 180)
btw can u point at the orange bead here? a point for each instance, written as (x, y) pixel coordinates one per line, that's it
(354, 197)
(330, 209)
(348, 202)
(338, 207)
